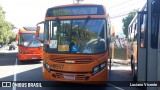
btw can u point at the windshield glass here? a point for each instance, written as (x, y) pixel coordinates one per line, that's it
(75, 36)
(29, 40)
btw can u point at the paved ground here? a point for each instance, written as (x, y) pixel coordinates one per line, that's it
(13, 70)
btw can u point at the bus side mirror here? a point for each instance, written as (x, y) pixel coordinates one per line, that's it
(37, 31)
(112, 31)
(16, 37)
(37, 34)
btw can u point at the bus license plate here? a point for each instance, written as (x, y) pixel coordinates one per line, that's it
(70, 77)
(34, 57)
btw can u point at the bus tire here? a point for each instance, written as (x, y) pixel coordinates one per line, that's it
(131, 63)
(134, 74)
(133, 70)
(110, 63)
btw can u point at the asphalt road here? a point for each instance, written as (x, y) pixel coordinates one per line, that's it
(12, 69)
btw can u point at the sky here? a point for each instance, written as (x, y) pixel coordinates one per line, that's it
(29, 12)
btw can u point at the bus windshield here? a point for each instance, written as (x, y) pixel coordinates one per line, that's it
(75, 36)
(29, 40)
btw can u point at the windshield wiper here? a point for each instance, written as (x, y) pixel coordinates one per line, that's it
(30, 43)
(85, 23)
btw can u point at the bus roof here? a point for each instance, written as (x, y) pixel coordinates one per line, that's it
(28, 30)
(68, 5)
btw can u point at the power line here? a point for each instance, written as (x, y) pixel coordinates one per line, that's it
(133, 10)
(122, 14)
(132, 4)
(119, 4)
(116, 16)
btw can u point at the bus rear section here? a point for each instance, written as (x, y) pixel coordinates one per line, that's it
(76, 44)
(28, 47)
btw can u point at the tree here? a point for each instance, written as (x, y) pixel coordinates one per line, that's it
(5, 28)
(126, 21)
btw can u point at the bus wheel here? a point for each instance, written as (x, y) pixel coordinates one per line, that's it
(110, 63)
(132, 64)
(133, 70)
(134, 74)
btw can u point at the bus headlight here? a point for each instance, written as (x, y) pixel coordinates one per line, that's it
(103, 65)
(98, 68)
(46, 65)
(25, 43)
(21, 51)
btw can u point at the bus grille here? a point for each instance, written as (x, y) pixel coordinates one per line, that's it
(80, 77)
(77, 77)
(72, 60)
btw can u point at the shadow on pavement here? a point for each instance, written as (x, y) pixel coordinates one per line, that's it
(35, 75)
(28, 62)
(9, 59)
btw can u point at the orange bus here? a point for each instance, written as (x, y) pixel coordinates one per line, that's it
(76, 43)
(28, 47)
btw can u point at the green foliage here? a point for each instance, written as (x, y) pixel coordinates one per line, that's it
(5, 29)
(80, 37)
(126, 21)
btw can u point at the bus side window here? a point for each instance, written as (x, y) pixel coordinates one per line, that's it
(143, 27)
(130, 29)
(132, 33)
(135, 32)
(129, 34)
(154, 24)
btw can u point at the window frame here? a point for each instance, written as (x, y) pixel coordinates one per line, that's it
(70, 52)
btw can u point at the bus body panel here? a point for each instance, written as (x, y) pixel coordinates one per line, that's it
(29, 53)
(141, 71)
(80, 71)
(158, 70)
(158, 75)
(152, 55)
(75, 17)
(99, 78)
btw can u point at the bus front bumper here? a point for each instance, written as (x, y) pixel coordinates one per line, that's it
(80, 77)
(30, 56)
